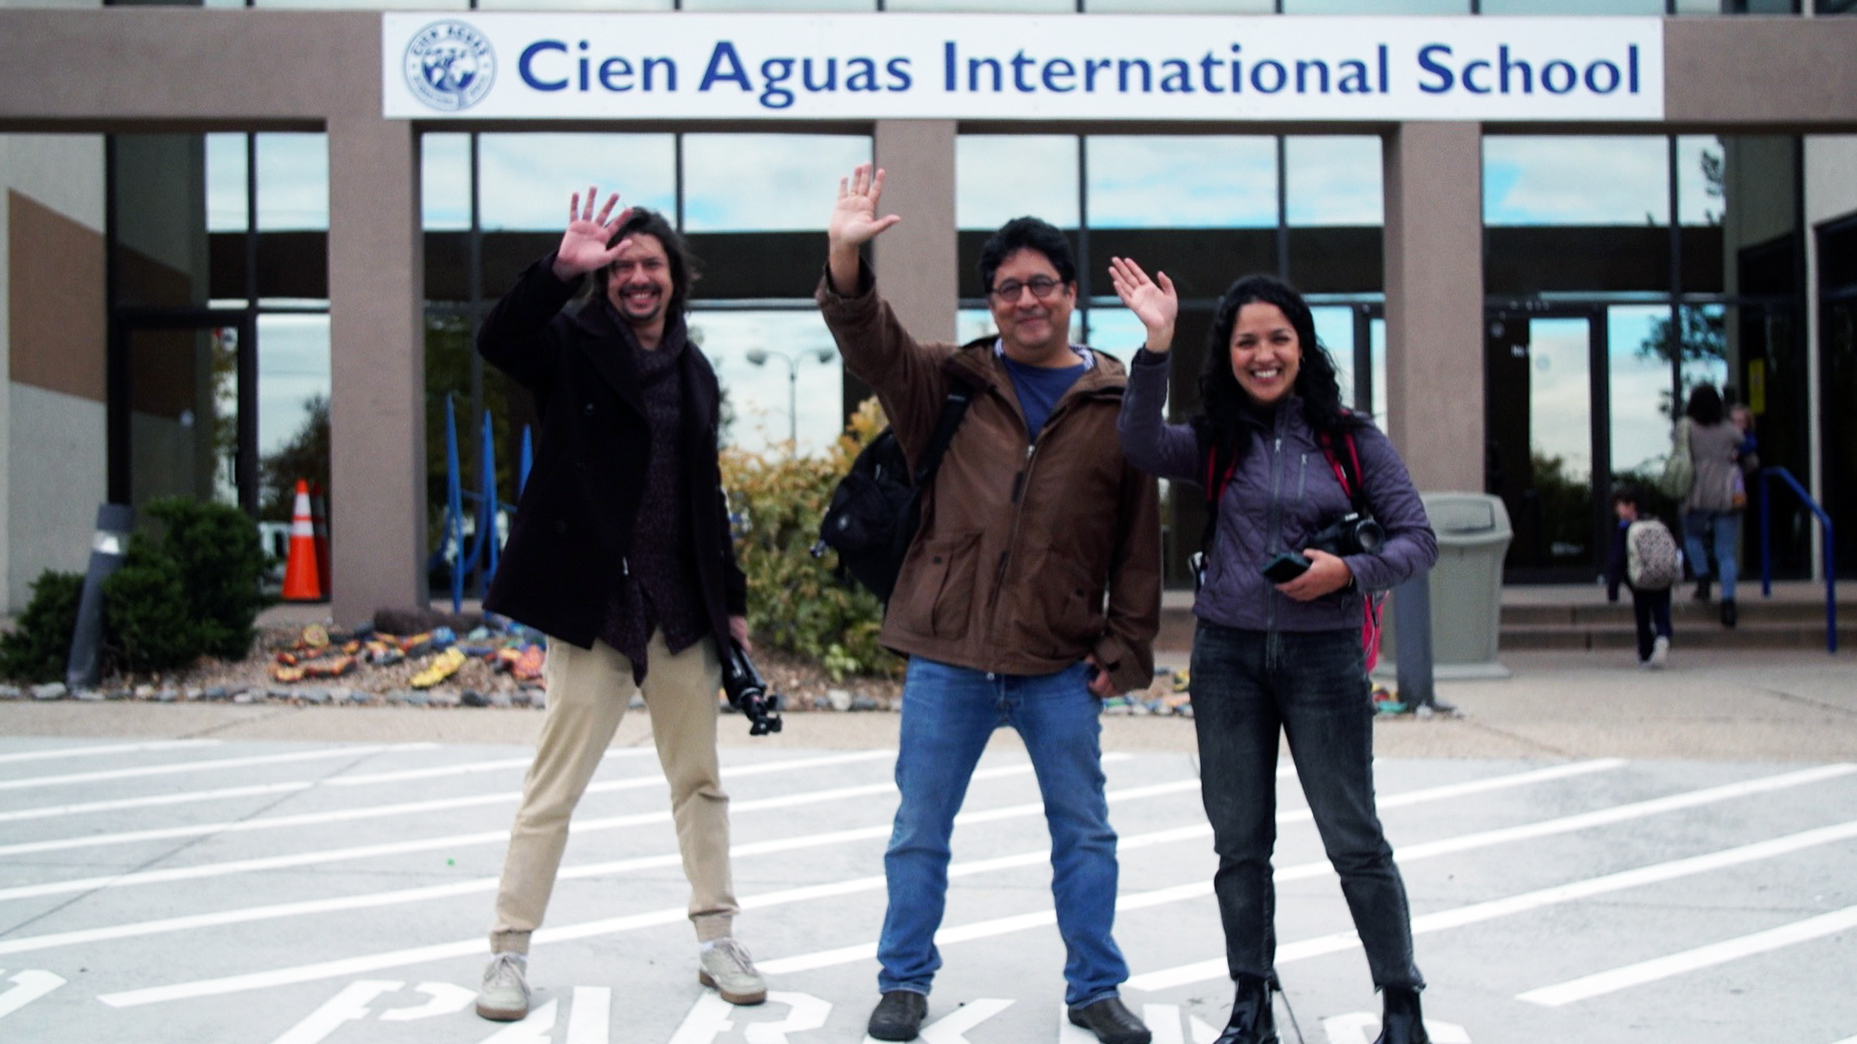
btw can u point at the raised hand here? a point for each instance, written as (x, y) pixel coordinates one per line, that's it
(1155, 304)
(583, 246)
(855, 222)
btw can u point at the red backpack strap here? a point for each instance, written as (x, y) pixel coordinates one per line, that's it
(1347, 472)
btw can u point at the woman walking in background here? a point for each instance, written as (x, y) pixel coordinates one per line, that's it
(1712, 509)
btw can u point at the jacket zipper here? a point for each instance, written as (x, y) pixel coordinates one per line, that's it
(1019, 482)
(1275, 518)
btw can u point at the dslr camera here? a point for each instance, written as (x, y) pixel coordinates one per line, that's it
(748, 693)
(1351, 534)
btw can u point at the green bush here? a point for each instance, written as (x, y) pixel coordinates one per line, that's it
(221, 561)
(39, 646)
(145, 611)
(795, 602)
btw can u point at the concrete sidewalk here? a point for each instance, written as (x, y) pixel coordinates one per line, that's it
(1733, 705)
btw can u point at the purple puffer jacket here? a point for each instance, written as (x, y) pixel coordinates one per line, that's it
(1281, 495)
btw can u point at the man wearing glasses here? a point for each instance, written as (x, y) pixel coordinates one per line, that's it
(1031, 591)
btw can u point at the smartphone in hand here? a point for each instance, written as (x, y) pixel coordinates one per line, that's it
(1285, 567)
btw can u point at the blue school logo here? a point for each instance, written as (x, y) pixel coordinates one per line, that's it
(450, 66)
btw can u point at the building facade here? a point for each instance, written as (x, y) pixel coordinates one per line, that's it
(221, 256)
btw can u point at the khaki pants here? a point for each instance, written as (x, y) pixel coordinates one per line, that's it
(588, 691)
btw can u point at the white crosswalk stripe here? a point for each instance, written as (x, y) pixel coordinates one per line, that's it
(270, 905)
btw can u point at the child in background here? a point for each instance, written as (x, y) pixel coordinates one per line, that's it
(1650, 587)
(1742, 417)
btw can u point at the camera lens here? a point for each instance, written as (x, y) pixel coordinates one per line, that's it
(1370, 536)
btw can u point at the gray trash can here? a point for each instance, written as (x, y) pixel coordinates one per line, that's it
(1466, 585)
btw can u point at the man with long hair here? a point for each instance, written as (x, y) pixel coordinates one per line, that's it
(620, 553)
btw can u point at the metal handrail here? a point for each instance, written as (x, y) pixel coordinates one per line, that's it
(1766, 558)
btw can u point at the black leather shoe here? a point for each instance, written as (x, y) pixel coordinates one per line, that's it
(898, 1016)
(1252, 1021)
(1112, 1022)
(1402, 1023)
(1702, 589)
(1729, 615)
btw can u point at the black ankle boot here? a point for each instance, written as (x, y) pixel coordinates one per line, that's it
(1729, 615)
(1702, 589)
(1252, 1021)
(1401, 1023)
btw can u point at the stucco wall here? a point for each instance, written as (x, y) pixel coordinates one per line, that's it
(59, 174)
(58, 477)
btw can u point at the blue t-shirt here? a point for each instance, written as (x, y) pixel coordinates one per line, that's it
(1039, 389)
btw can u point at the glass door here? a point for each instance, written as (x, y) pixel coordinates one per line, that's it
(182, 423)
(1545, 399)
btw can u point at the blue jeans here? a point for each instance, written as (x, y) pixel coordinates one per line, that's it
(1724, 530)
(1311, 686)
(948, 714)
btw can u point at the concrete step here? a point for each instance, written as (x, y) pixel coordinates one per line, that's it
(1751, 607)
(1699, 634)
(1578, 617)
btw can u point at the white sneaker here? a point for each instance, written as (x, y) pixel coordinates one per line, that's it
(1660, 651)
(728, 969)
(505, 993)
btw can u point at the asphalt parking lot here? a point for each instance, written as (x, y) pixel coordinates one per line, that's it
(1593, 853)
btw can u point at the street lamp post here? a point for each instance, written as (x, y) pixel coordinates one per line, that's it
(760, 356)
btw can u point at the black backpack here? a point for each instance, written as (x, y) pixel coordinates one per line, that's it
(876, 508)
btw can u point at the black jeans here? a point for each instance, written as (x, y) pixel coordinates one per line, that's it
(1248, 685)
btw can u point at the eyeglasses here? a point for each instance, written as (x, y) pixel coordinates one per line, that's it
(1041, 288)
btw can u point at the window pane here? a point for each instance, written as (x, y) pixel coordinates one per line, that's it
(998, 178)
(1575, 181)
(293, 372)
(1376, 7)
(1021, 6)
(526, 180)
(1334, 181)
(1572, 7)
(795, 177)
(1705, 348)
(445, 181)
(1560, 395)
(1116, 330)
(1334, 330)
(1699, 174)
(1180, 6)
(796, 390)
(293, 181)
(779, 5)
(1639, 381)
(1182, 182)
(365, 5)
(574, 5)
(225, 183)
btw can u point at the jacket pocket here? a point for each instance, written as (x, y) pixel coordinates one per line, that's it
(940, 595)
(1074, 605)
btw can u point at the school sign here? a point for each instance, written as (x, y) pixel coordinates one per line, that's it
(1019, 67)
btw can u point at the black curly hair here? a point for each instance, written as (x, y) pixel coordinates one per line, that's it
(682, 264)
(1228, 410)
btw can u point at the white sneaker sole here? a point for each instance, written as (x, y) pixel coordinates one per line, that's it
(744, 999)
(502, 1014)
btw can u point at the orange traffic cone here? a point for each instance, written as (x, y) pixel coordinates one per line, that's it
(319, 520)
(302, 582)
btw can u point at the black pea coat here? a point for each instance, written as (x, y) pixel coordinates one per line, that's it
(572, 535)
